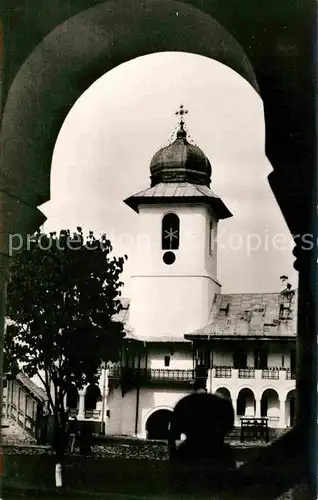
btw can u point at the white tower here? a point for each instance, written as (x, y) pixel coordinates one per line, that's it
(175, 266)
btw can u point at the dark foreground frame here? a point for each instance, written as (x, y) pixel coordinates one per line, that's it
(54, 50)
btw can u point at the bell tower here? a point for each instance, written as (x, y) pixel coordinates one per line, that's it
(175, 266)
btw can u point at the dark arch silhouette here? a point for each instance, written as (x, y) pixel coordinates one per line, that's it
(50, 80)
(268, 396)
(244, 396)
(291, 407)
(280, 55)
(224, 392)
(92, 395)
(157, 425)
(72, 397)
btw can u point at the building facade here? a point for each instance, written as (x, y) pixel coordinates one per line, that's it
(181, 330)
(23, 404)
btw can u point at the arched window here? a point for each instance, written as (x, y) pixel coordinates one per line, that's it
(92, 395)
(170, 232)
(72, 397)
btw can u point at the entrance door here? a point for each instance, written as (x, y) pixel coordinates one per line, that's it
(158, 423)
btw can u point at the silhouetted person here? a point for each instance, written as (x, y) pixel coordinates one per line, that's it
(204, 419)
(73, 432)
(86, 439)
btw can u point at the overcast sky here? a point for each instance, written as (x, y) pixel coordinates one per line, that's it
(104, 148)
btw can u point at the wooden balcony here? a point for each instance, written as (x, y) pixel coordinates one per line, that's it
(290, 375)
(153, 374)
(223, 371)
(246, 373)
(271, 374)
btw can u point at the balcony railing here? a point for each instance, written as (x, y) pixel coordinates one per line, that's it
(92, 414)
(270, 374)
(290, 375)
(223, 372)
(169, 374)
(154, 374)
(246, 373)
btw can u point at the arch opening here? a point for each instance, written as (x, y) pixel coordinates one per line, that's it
(290, 408)
(27, 155)
(224, 392)
(72, 397)
(246, 404)
(157, 425)
(170, 232)
(270, 406)
(92, 396)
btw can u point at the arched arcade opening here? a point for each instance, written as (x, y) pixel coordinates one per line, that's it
(270, 406)
(224, 392)
(157, 425)
(246, 404)
(91, 398)
(290, 408)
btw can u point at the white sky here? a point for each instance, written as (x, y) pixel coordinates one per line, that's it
(104, 148)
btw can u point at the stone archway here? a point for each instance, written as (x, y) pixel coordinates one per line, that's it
(37, 106)
(92, 396)
(270, 406)
(245, 404)
(290, 408)
(224, 392)
(72, 397)
(157, 425)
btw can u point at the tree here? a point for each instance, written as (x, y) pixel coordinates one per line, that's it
(63, 293)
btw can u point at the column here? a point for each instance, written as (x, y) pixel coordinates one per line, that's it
(282, 413)
(209, 384)
(81, 406)
(257, 406)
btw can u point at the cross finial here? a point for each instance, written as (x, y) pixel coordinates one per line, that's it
(181, 111)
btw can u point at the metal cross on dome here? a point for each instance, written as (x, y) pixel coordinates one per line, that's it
(181, 111)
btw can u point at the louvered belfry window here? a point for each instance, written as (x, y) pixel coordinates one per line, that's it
(170, 232)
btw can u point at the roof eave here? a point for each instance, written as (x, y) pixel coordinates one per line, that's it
(217, 204)
(210, 337)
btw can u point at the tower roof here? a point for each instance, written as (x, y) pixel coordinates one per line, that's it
(180, 161)
(180, 173)
(179, 192)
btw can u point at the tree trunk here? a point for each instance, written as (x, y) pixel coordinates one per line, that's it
(59, 447)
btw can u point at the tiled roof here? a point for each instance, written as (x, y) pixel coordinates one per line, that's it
(34, 389)
(174, 190)
(251, 315)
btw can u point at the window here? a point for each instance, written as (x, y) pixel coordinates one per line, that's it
(202, 356)
(261, 358)
(92, 396)
(240, 358)
(170, 232)
(167, 360)
(224, 309)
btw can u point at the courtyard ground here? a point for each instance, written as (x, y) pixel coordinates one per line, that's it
(119, 468)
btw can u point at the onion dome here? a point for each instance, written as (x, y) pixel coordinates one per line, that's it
(180, 162)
